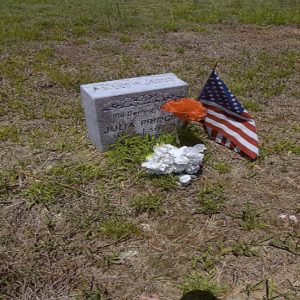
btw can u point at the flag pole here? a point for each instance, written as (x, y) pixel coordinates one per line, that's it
(210, 73)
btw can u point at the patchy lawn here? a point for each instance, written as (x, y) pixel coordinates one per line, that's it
(76, 223)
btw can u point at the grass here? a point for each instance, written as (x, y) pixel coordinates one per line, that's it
(68, 211)
(211, 198)
(201, 282)
(45, 54)
(167, 182)
(95, 294)
(252, 218)
(275, 145)
(242, 248)
(252, 106)
(147, 203)
(5, 186)
(106, 49)
(222, 167)
(126, 155)
(81, 173)
(9, 133)
(211, 256)
(60, 182)
(156, 46)
(286, 146)
(80, 20)
(266, 72)
(289, 242)
(43, 192)
(118, 229)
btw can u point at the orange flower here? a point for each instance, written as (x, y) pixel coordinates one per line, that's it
(185, 109)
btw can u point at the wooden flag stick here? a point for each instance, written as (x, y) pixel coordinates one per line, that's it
(210, 73)
(216, 64)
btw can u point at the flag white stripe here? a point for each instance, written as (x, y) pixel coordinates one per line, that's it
(219, 138)
(232, 133)
(247, 131)
(237, 149)
(209, 130)
(228, 111)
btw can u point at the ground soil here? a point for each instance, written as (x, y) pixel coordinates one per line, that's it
(58, 262)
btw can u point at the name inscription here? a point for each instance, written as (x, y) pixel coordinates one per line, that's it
(127, 85)
(142, 123)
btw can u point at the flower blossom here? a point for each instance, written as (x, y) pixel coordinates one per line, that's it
(185, 109)
(168, 159)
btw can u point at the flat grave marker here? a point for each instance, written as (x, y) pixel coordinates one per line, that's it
(130, 106)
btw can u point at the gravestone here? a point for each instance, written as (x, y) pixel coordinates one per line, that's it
(130, 106)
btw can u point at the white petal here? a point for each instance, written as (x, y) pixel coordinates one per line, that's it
(185, 179)
(168, 158)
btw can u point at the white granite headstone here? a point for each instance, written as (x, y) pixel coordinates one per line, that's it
(130, 106)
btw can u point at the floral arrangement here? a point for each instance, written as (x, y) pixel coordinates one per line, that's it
(186, 109)
(185, 161)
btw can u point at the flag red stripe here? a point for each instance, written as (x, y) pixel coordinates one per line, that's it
(234, 128)
(246, 150)
(228, 132)
(232, 145)
(245, 123)
(246, 114)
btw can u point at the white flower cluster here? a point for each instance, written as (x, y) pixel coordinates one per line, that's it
(170, 159)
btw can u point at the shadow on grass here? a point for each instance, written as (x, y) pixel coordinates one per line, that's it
(199, 295)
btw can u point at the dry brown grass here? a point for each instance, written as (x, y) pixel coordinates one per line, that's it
(53, 245)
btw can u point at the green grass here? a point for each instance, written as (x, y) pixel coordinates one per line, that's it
(9, 133)
(45, 54)
(57, 20)
(70, 79)
(43, 192)
(192, 134)
(211, 198)
(5, 184)
(222, 167)
(88, 294)
(296, 127)
(53, 111)
(60, 182)
(13, 67)
(202, 282)
(242, 248)
(118, 229)
(266, 72)
(80, 173)
(210, 257)
(275, 145)
(289, 242)
(286, 146)
(165, 182)
(180, 50)
(252, 218)
(126, 155)
(252, 106)
(156, 46)
(107, 49)
(147, 203)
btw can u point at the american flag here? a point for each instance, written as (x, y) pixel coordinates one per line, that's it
(227, 121)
